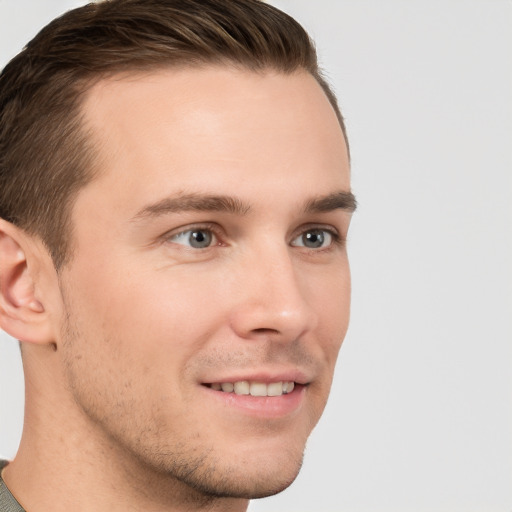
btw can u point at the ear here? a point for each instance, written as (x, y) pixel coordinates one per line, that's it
(22, 313)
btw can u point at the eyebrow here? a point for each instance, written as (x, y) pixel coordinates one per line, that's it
(338, 200)
(194, 202)
(228, 204)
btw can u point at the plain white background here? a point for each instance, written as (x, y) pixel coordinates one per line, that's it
(420, 416)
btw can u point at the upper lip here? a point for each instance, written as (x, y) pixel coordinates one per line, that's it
(265, 376)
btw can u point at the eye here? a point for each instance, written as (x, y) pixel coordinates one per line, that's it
(314, 239)
(198, 238)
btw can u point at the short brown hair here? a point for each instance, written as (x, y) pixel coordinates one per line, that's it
(45, 154)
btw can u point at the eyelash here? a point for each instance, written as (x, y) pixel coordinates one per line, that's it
(199, 227)
(336, 238)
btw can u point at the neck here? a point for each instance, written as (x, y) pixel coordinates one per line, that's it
(79, 478)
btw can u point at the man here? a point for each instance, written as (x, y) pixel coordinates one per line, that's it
(174, 203)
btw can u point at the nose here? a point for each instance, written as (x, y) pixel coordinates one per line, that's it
(273, 299)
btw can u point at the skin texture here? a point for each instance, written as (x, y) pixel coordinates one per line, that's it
(119, 346)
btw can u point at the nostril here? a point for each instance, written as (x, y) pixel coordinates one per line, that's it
(265, 330)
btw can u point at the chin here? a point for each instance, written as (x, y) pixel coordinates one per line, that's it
(248, 475)
(246, 483)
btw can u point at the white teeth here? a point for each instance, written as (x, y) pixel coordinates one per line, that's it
(245, 387)
(275, 389)
(258, 389)
(227, 387)
(288, 386)
(242, 388)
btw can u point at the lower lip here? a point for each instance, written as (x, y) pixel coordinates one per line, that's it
(270, 407)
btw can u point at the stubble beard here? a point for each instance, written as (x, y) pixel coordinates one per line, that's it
(192, 473)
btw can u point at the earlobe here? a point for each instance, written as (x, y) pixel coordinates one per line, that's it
(22, 314)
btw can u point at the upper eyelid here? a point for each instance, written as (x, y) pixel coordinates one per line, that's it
(206, 226)
(316, 226)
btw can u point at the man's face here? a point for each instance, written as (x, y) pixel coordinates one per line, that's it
(208, 253)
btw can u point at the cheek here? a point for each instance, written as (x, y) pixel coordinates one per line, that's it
(146, 324)
(331, 301)
(330, 297)
(151, 307)
(144, 333)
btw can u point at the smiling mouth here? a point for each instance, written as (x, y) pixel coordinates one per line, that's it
(254, 388)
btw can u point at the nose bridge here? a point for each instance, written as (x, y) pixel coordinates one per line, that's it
(274, 298)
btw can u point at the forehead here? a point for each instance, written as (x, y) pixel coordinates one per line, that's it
(214, 127)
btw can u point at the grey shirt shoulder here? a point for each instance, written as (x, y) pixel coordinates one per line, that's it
(8, 502)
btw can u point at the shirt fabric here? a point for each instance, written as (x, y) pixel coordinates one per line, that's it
(8, 502)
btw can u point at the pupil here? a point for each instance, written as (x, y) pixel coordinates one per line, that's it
(200, 239)
(314, 239)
